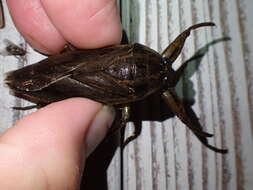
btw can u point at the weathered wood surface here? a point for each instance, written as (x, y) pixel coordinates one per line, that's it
(167, 155)
(8, 63)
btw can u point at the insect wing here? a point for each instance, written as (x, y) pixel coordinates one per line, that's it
(111, 75)
(40, 75)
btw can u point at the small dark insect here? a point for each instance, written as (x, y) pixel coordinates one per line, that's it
(115, 75)
(13, 49)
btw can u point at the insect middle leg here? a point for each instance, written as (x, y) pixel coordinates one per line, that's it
(121, 122)
(125, 116)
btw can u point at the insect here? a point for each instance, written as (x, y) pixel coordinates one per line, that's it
(116, 75)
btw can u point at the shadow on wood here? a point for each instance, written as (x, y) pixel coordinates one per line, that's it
(95, 172)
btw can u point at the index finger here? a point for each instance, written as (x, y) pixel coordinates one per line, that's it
(48, 25)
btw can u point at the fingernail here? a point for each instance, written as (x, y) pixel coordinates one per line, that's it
(99, 127)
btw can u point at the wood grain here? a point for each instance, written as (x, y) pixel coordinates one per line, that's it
(168, 156)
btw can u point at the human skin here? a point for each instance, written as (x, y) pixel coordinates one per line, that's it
(47, 149)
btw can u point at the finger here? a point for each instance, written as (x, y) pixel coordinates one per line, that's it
(46, 148)
(85, 24)
(33, 23)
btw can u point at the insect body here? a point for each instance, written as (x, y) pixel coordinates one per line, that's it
(115, 75)
(123, 75)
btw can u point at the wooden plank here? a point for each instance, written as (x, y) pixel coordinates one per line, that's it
(168, 156)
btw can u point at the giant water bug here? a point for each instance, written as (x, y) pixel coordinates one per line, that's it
(116, 75)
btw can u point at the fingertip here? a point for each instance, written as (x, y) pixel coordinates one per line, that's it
(86, 24)
(33, 23)
(49, 25)
(98, 128)
(53, 140)
(59, 127)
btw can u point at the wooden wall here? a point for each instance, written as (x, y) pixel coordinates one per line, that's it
(167, 155)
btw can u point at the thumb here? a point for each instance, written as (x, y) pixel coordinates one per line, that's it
(47, 149)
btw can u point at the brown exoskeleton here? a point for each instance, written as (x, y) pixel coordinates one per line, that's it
(116, 75)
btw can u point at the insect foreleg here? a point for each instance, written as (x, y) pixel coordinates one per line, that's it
(177, 107)
(175, 48)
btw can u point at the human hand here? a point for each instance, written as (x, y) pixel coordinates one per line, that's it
(46, 149)
(47, 25)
